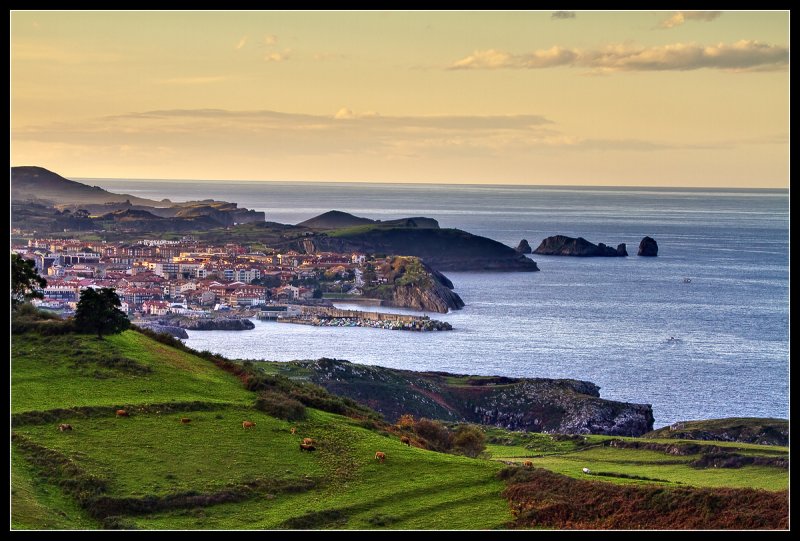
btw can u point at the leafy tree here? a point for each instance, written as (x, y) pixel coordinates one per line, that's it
(98, 311)
(469, 440)
(25, 281)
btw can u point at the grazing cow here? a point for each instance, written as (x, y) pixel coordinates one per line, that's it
(406, 440)
(122, 413)
(308, 441)
(248, 424)
(63, 427)
(528, 464)
(293, 430)
(307, 447)
(380, 456)
(185, 420)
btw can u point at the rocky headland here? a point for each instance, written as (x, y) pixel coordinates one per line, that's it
(580, 247)
(531, 404)
(413, 284)
(761, 431)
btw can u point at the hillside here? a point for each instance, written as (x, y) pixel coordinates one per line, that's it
(442, 249)
(30, 182)
(149, 470)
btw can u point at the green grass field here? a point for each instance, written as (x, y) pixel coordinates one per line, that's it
(152, 455)
(150, 471)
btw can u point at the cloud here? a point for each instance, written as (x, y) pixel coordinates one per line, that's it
(344, 113)
(271, 39)
(276, 57)
(744, 55)
(563, 15)
(681, 17)
(241, 43)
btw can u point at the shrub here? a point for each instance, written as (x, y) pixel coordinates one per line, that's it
(281, 406)
(405, 421)
(469, 440)
(435, 434)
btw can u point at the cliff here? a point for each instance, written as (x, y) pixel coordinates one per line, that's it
(739, 429)
(413, 284)
(580, 247)
(532, 404)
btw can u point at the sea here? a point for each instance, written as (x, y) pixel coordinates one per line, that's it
(701, 331)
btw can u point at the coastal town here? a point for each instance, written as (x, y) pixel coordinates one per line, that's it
(198, 280)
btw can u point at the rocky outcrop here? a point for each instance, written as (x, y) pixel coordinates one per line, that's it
(214, 324)
(435, 298)
(413, 284)
(580, 247)
(761, 431)
(532, 404)
(648, 247)
(171, 330)
(523, 247)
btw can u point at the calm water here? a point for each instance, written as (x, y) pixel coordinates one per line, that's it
(608, 321)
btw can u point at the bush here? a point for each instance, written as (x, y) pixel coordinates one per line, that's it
(435, 434)
(281, 406)
(469, 440)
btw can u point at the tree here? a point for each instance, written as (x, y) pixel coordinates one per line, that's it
(25, 281)
(469, 440)
(98, 311)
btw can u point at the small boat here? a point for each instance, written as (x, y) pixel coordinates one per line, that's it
(687, 280)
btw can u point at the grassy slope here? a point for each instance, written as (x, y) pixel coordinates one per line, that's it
(154, 455)
(569, 459)
(62, 371)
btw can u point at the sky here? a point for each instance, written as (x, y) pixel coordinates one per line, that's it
(647, 98)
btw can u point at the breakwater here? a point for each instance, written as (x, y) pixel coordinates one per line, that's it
(321, 316)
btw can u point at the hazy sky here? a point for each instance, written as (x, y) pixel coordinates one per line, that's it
(511, 97)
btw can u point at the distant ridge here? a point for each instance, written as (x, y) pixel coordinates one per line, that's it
(32, 182)
(336, 219)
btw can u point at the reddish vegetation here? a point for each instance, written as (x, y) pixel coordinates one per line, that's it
(540, 498)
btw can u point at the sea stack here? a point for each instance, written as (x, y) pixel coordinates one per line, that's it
(524, 247)
(648, 247)
(580, 247)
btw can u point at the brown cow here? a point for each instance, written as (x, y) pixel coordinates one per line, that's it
(122, 413)
(307, 447)
(406, 440)
(380, 456)
(528, 464)
(308, 441)
(248, 424)
(293, 430)
(185, 420)
(63, 427)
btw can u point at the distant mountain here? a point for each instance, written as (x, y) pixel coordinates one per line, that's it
(38, 183)
(336, 219)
